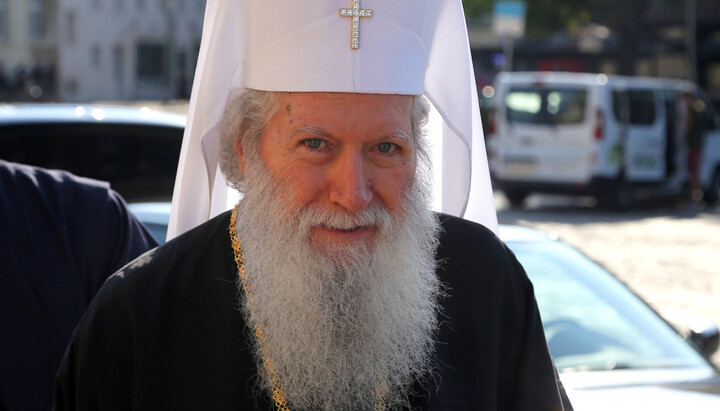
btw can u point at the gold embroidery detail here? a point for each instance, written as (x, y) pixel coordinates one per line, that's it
(278, 395)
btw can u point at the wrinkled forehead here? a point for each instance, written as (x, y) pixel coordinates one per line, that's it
(324, 114)
(345, 102)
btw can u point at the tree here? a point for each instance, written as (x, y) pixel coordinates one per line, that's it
(545, 17)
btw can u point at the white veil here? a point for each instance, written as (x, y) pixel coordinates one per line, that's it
(290, 45)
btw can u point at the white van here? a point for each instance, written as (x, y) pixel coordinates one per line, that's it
(617, 138)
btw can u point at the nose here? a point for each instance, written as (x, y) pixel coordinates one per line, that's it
(350, 185)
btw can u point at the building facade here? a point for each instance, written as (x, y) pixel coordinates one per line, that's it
(87, 50)
(128, 49)
(28, 52)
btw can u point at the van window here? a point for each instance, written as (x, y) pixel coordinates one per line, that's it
(642, 106)
(545, 105)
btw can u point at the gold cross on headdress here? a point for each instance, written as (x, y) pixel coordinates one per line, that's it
(355, 12)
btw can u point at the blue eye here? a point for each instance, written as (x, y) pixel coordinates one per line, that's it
(386, 147)
(314, 143)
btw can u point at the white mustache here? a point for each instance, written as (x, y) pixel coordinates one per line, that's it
(376, 215)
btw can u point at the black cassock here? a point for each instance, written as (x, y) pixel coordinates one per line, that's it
(166, 332)
(61, 236)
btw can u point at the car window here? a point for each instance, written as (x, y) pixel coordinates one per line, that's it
(591, 320)
(546, 105)
(139, 161)
(641, 105)
(158, 231)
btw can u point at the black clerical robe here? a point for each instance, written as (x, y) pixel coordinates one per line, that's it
(61, 236)
(166, 332)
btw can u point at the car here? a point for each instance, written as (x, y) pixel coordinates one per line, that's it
(612, 350)
(136, 149)
(155, 217)
(617, 138)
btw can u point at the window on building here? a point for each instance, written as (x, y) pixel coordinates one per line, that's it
(37, 11)
(3, 19)
(71, 87)
(95, 56)
(118, 64)
(151, 64)
(70, 28)
(118, 68)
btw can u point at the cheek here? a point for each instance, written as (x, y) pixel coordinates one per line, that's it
(293, 175)
(392, 185)
(304, 184)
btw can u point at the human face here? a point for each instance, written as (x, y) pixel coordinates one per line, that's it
(341, 152)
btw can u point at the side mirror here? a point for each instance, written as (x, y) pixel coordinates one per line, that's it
(706, 338)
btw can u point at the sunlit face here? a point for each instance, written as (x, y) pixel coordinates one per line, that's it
(341, 152)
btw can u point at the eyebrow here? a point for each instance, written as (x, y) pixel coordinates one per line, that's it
(400, 135)
(314, 131)
(311, 130)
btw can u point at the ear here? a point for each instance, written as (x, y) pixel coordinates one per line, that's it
(240, 154)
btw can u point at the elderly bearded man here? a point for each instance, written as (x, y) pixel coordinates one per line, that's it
(329, 286)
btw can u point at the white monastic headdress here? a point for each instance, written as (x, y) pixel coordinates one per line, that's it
(378, 46)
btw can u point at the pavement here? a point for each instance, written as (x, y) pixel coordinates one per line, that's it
(668, 254)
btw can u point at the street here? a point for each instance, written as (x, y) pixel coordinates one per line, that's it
(669, 254)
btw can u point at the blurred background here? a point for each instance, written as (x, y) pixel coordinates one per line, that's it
(88, 50)
(143, 53)
(659, 38)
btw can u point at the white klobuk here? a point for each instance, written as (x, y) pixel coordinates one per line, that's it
(370, 46)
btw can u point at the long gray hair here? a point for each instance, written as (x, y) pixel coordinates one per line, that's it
(248, 112)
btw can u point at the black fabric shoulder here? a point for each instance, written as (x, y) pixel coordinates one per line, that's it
(178, 308)
(472, 242)
(169, 263)
(472, 260)
(490, 334)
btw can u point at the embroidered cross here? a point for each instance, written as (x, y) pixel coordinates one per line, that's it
(355, 12)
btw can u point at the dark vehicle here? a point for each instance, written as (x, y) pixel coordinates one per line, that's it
(135, 149)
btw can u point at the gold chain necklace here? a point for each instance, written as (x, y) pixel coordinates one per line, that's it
(278, 395)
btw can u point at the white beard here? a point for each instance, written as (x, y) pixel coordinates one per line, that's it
(342, 325)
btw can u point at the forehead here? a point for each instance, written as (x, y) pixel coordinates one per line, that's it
(349, 109)
(345, 98)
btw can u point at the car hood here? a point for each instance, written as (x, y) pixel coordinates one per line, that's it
(625, 390)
